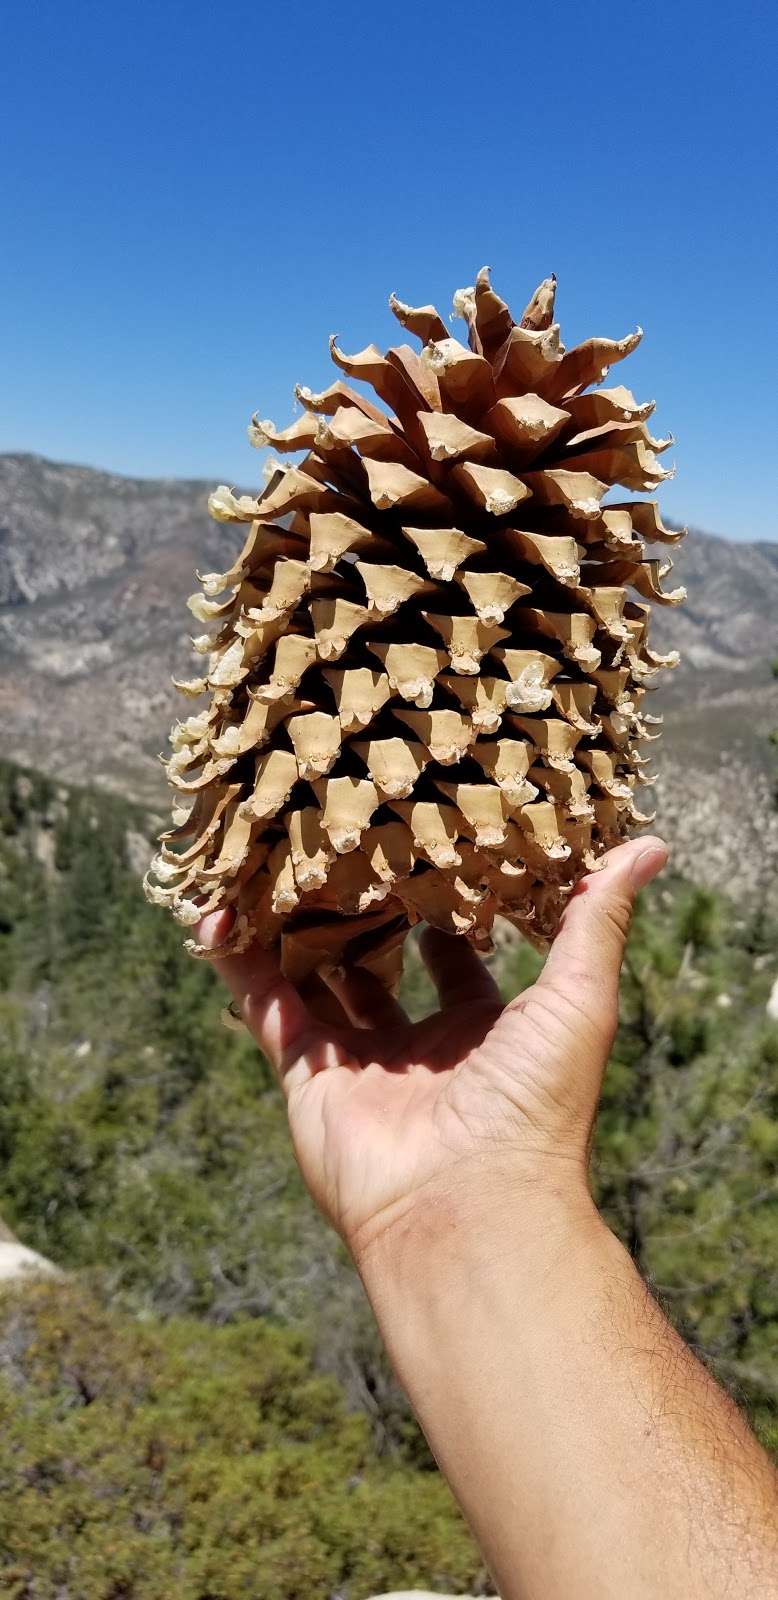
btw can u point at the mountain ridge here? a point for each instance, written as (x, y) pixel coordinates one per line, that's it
(95, 568)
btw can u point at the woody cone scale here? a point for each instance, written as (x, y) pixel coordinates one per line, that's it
(425, 672)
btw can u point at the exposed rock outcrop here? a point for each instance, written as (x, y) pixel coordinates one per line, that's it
(16, 1261)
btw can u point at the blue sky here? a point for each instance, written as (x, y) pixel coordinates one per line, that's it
(196, 195)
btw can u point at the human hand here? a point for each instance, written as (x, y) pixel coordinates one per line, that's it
(387, 1115)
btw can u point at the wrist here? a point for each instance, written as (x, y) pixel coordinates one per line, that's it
(478, 1214)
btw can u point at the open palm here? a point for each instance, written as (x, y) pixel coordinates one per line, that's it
(385, 1113)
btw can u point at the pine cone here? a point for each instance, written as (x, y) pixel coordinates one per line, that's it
(426, 682)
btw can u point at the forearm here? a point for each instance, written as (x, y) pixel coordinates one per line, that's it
(591, 1453)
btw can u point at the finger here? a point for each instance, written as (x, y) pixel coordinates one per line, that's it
(459, 975)
(365, 1000)
(294, 1042)
(323, 1003)
(584, 963)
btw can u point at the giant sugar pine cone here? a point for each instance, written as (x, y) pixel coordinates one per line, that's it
(427, 675)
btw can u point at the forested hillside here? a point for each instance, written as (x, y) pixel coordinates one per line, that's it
(204, 1406)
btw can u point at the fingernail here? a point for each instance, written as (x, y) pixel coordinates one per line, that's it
(648, 864)
(212, 931)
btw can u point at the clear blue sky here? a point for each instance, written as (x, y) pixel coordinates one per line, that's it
(195, 195)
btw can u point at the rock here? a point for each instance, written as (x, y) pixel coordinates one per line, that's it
(772, 1003)
(16, 1261)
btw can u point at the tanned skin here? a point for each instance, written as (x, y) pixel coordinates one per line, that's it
(593, 1456)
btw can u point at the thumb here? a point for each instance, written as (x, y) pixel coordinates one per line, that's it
(584, 963)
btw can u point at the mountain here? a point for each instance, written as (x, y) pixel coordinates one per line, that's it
(94, 573)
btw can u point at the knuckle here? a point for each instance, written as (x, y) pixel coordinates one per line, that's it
(616, 916)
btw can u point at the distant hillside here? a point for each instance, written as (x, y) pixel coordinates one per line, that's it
(94, 573)
(95, 570)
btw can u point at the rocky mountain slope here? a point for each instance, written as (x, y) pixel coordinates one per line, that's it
(94, 573)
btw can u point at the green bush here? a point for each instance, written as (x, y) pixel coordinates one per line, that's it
(142, 1460)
